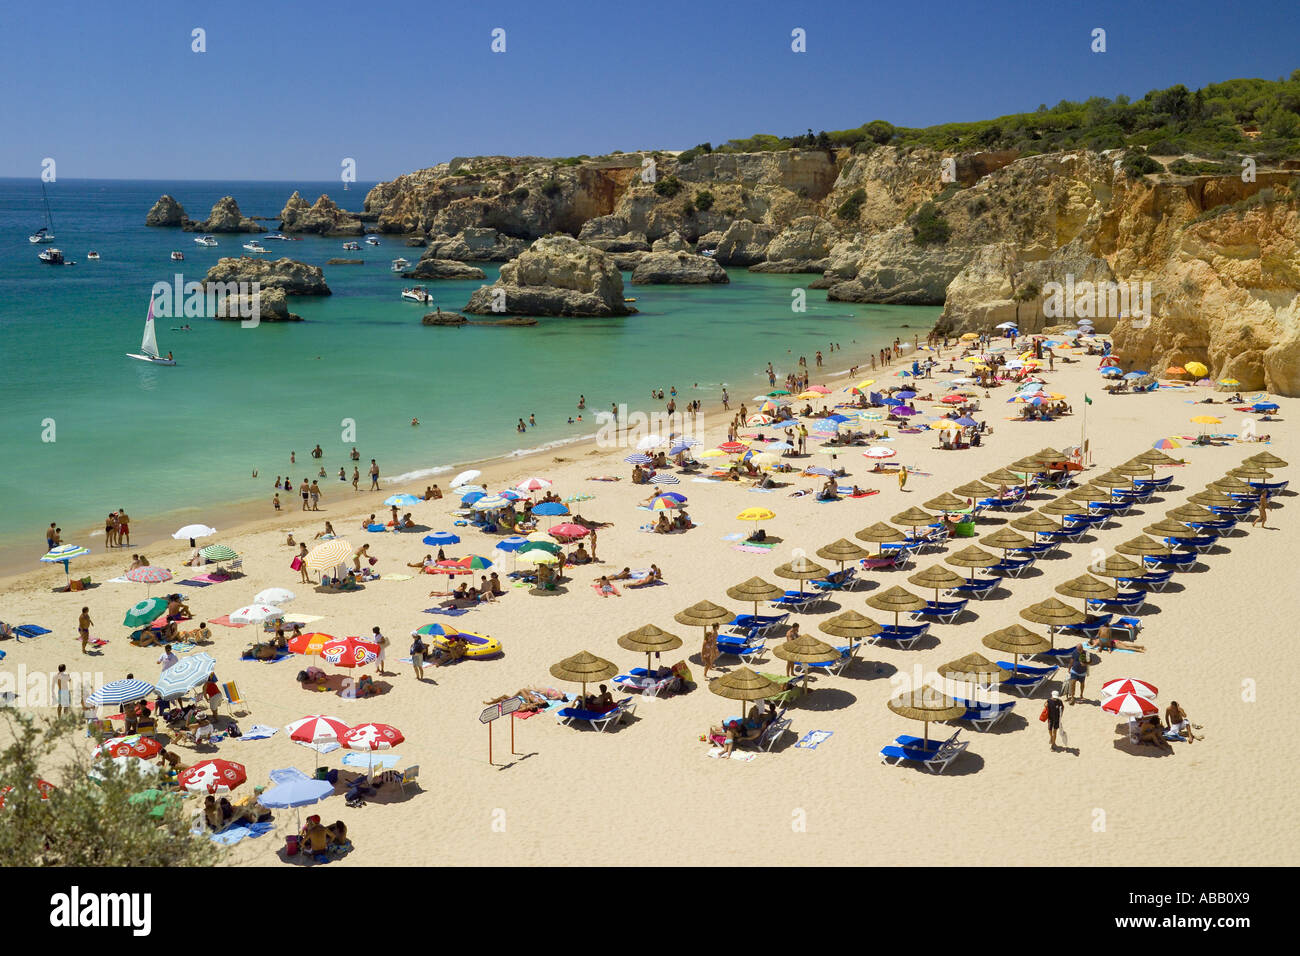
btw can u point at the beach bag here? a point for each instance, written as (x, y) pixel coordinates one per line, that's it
(1062, 738)
(296, 564)
(373, 562)
(1043, 716)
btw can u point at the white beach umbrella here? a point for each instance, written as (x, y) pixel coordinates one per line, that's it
(464, 478)
(274, 596)
(650, 441)
(194, 531)
(255, 614)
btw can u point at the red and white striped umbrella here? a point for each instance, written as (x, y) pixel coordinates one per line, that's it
(1130, 705)
(316, 729)
(533, 484)
(136, 745)
(212, 776)
(1128, 685)
(43, 787)
(569, 531)
(879, 451)
(149, 575)
(371, 737)
(350, 652)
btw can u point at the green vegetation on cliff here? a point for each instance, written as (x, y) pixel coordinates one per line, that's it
(1246, 116)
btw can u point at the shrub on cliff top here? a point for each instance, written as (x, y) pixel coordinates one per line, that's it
(668, 187)
(1139, 164)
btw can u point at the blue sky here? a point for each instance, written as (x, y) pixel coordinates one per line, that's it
(287, 89)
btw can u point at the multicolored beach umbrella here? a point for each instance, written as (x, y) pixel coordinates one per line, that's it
(664, 504)
(149, 575)
(63, 554)
(491, 503)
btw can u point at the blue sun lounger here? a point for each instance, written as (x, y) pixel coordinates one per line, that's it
(837, 581)
(1155, 484)
(1200, 544)
(945, 611)
(755, 625)
(978, 587)
(1176, 559)
(747, 650)
(935, 756)
(1151, 581)
(1013, 566)
(983, 715)
(1025, 680)
(1130, 601)
(601, 720)
(848, 654)
(904, 635)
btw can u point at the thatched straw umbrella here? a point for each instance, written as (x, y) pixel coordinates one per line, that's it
(1111, 480)
(947, 502)
(753, 591)
(896, 599)
(936, 576)
(1065, 505)
(1118, 566)
(1016, 640)
(703, 615)
(1087, 493)
(879, 533)
(1006, 539)
(841, 551)
(972, 557)
(927, 704)
(972, 669)
(801, 569)
(1142, 546)
(583, 667)
(1250, 471)
(1213, 498)
(1132, 467)
(1002, 477)
(1030, 465)
(744, 684)
(649, 640)
(1049, 455)
(974, 489)
(1154, 456)
(850, 624)
(806, 649)
(1087, 588)
(1191, 512)
(1265, 460)
(1169, 528)
(1230, 484)
(1037, 523)
(1054, 614)
(914, 517)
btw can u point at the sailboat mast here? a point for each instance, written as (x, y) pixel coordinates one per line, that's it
(49, 219)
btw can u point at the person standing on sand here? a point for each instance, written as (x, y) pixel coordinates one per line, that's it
(315, 496)
(63, 689)
(1262, 518)
(356, 477)
(123, 527)
(902, 477)
(593, 544)
(374, 475)
(305, 491)
(418, 650)
(1052, 711)
(709, 653)
(110, 530)
(383, 643)
(302, 561)
(83, 628)
(726, 401)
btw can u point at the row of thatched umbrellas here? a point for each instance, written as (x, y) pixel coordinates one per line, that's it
(928, 704)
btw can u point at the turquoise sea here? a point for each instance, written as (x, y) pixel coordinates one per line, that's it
(154, 439)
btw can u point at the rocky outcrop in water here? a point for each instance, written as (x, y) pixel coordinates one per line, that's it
(166, 212)
(345, 262)
(268, 305)
(557, 275)
(678, 268)
(673, 242)
(476, 245)
(323, 217)
(225, 217)
(744, 243)
(455, 319)
(430, 268)
(288, 275)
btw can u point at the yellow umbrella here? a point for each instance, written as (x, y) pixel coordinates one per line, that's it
(945, 425)
(865, 383)
(538, 557)
(756, 515)
(329, 555)
(1207, 420)
(1196, 368)
(810, 395)
(712, 453)
(969, 337)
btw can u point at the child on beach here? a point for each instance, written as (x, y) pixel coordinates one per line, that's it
(276, 502)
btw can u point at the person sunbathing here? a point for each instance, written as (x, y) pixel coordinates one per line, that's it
(534, 698)
(427, 562)
(604, 586)
(327, 533)
(662, 526)
(1105, 641)
(267, 651)
(199, 635)
(650, 578)
(682, 521)
(623, 575)
(1150, 732)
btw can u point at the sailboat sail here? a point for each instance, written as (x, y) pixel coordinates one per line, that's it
(49, 219)
(150, 344)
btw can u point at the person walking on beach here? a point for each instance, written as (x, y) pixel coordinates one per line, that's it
(418, 650)
(315, 496)
(1052, 711)
(110, 530)
(726, 401)
(63, 689)
(83, 628)
(1262, 518)
(356, 477)
(374, 475)
(305, 491)
(302, 561)
(383, 643)
(1078, 673)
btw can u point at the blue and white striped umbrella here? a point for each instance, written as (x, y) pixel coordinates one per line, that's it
(638, 459)
(402, 501)
(490, 503)
(512, 543)
(122, 692)
(64, 552)
(665, 480)
(472, 496)
(184, 674)
(439, 538)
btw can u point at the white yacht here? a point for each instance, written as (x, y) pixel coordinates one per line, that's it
(418, 294)
(352, 246)
(206, 240)
(178, 257)
(51, 256)
(401, 265)
(254, 246)
(279, 236)
(372, 240)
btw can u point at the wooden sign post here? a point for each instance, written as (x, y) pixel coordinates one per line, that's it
(496, 711)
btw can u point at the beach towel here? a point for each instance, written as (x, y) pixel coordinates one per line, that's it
(867, 494)
(258, 732)
(224, 621)
(449, 611)
(604, 478)
(612, 591)
(287, 775)
(281, 656)
(525, 714)
(117, 581)
(196, 583)
(752, 548)
(31, 630)
(735, 536)
(387, 761)
(407, 660)
(183, 646)
(744, 756)
(209, 578)
(763, 491)
(397, 577)
(328, 747)
(232, 835)
(810, 740)
(706, 481)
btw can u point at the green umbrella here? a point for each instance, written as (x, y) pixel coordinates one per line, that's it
(549, 546)
(144, 612)
(158, 800)
(218, 552)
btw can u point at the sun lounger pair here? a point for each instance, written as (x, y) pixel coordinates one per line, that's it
(977, 587)
(601, 720)
(1024, 679)
(1155, 484)
(639, 680)
(945, 611)
(984, 715)
(934, 756)
(746, 650)
(848, 654)
(1014, 566)
(837, 580)
(1178, 559)
(1130, 601)
(1151, 581)
(799, 600)
(902, 636)
(755, 625)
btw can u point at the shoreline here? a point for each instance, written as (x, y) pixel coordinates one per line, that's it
(248, 515)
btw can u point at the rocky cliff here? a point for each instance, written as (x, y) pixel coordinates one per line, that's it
(224, 217)
(557, 275)
(166, 212)
(323, 217)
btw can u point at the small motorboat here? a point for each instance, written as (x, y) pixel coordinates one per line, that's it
(206, 240)
(51, 256)
(418, 294)
(401, 265)
(178, 257)
(92, 254)
(352, 246)
(254, 246)
(372, 240)
(279, 236)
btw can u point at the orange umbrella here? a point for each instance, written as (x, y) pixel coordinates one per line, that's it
(310, 643)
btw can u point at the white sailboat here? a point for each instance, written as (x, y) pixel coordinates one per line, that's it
(149, 345)
(46, 232)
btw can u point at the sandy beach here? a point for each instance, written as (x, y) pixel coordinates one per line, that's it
(1214, 638)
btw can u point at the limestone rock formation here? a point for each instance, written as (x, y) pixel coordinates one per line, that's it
(166, 212)
(673, 242)
(476, 245)
(557, 275)
(345, 262)
(225, 217)
(744, 243)
(323, 218)
(267, 305)
(430, 268)
(897, 271)
(678, 268)
(288, 275)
